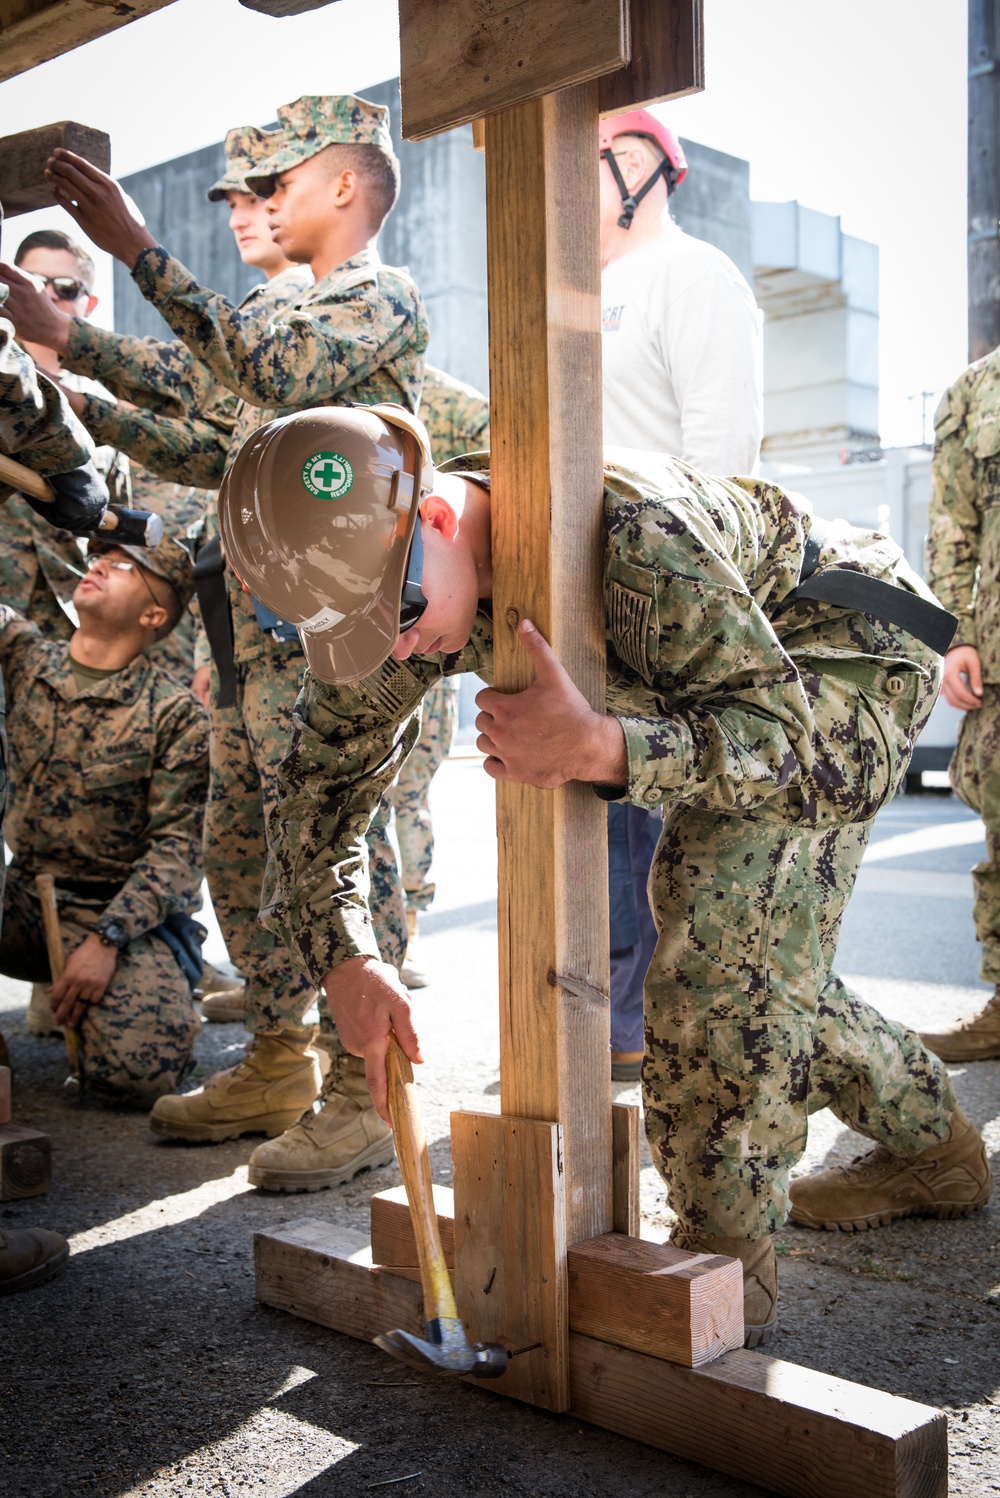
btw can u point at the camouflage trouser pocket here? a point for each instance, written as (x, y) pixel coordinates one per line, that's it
(865, 725)
(762, 1066)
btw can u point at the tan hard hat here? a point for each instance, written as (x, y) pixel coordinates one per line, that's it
(317, 515)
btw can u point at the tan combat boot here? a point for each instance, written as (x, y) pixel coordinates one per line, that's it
(29, 1256)
(951, 1179)
(975, 1039)
(413, 972)
(328, 1146)
(222, 991)
(264, 1094)
(760, 1276)
(41, 1020)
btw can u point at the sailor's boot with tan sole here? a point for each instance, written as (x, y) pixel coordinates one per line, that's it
(975, 1039)
(951, 1179)
(760, 1276)
(278, 1078)
(413, 972)
(329, 1145)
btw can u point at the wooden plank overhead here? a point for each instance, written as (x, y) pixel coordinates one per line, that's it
(668, 58)
(462, 59)
(34, 31)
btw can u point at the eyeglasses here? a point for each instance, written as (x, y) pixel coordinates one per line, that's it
(100, 560)
(65, 288)
(412, 603)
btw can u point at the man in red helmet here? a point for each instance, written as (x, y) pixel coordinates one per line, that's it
(682, 375)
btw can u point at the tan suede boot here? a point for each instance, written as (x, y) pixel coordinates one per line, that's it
(330, 1145)
(951, 1179)
(222, 991)
(41, 1020)
(760, 1276)
(29, 1256)
(264, 1094)
(413, 972)
(975, 1039)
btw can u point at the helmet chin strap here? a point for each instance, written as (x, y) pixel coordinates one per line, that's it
(631, 201)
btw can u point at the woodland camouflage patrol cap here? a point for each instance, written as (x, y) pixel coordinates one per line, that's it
(170, 560)
(316, 121)
(247, 146)
(318, 516)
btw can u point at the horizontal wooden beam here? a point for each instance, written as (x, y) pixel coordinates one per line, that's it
(786, 1429)
(24, 157)
(668, 56)
(35, 31)
(462, 59)
(324, 1273)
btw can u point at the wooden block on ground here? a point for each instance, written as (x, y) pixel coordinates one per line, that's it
(510, 1248)
(394, 1246)
(626, 1126)
(25, 1162)
(787, 1429)
(23, 159)
(668, 56)
(462, 59)
(790, 1430)
(4, 1094)
(325, 1273)
(657, 1299)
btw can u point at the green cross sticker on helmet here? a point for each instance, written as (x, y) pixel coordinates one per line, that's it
(327, 475)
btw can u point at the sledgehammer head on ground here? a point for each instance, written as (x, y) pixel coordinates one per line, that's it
(446, 1349)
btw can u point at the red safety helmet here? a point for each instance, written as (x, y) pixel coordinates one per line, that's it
(673, 168)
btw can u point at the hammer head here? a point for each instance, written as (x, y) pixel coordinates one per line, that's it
(446, 1349)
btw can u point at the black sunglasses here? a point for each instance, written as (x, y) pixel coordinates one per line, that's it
(66, 289)
(412, 601)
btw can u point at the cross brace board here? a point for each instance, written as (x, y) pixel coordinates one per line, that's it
(789, 1429)
(24, 157)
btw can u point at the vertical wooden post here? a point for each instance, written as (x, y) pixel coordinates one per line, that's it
(545, 384)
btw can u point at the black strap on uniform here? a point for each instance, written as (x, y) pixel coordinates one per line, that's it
(631, 201)
(847, 589)
(213, 601)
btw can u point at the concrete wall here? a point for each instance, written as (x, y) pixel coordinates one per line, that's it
(713, 203)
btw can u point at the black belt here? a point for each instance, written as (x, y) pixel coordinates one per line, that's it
(848, 589)
(213, 601)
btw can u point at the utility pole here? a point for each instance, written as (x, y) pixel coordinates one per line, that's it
(984, 177)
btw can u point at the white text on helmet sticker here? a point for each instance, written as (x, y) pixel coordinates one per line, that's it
(327, 475)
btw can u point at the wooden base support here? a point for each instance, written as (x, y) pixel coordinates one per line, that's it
(784, 1428)
(652, 1297)
(25, 1162)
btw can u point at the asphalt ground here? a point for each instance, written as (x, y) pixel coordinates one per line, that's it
(148, 1368)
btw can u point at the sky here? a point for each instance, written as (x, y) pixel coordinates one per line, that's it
(856, 109)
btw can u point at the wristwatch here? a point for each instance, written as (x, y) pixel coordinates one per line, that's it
(112, 932)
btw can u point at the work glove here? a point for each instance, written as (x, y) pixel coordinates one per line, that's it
(80, 502)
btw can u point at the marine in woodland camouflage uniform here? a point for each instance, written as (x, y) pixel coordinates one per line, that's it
(358, 334)
(108, 785)
(457, 419)
(963, 568)
(770, 730)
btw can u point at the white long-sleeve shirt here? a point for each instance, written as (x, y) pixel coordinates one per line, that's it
(682, 354)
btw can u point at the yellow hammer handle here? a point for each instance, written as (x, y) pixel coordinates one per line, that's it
(24, 479)
(46, 887)
(415, 1168)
